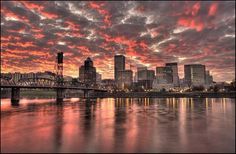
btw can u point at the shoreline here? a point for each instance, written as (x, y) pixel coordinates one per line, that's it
(133, 95)
(165, 95)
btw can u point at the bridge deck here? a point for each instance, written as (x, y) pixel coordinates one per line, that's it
(51, 87)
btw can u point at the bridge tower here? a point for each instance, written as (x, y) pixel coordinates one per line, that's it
(59, 77)
(15, 96)
(59, 69)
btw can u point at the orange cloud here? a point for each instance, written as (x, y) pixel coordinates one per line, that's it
(191, 23)
(8, 56)
(72, 25)
(38, 36)
(143, 45)
(31, 5)
(25, 52)
(10, 38)
(83, 49)
(11, 14)
(49, 15)
(39, 9)
(213, 9)
(21, 44)
(98, 6)
(196, 7)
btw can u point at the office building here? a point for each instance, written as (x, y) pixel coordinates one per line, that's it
(135, 77)
(87, 72)
(125, 79)
(119, 65)
(109, 84)
(209, 78)
(194, 74)
(158, 86)
(164, 78)
(28, 75)
(46, 74)
(174, 67)
(67, 78)
(164, 75)
(98, 78)
(6, 75)
(145, 77)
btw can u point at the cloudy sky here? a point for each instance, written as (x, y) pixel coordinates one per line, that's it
(148, 33)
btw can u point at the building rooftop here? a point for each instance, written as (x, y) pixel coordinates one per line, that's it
(174, 63)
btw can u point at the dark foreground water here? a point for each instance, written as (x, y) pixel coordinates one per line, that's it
(119, 125)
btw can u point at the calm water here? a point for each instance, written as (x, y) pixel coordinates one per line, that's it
(119, 125)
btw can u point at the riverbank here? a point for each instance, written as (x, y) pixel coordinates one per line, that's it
(37, 93)
(164, 94)
(33, 93)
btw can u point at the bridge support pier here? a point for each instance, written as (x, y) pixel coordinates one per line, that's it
(15, 96)
(86, 93)
(60, 95)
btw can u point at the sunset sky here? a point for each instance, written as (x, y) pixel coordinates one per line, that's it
(147, 33)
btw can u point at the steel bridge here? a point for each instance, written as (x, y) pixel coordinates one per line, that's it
(45, 83)
(57, 83)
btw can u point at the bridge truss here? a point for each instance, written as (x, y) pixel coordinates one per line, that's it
(39, 82)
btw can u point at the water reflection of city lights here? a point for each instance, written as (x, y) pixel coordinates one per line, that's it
(74, 99)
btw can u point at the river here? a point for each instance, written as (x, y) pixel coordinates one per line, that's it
(119, 125)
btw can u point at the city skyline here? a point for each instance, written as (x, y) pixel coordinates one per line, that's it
(87, 72)
(193, 32)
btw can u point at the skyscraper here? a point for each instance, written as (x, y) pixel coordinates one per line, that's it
(16, 76)
(164, 75)
(194, 74)
(209, 78)
(125, 79)
(174, 67)
(87, 72)
(145, 77)
(119, 65)
(98, 78)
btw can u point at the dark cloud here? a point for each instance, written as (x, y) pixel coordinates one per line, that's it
(128, 30)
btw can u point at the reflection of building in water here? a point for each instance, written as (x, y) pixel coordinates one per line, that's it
(145, 101)
(123, 102)
(186, 104)
(209, 105)
(90, 107)
(89, 112)
(87, 122)
(120, 123)
(58, 127)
